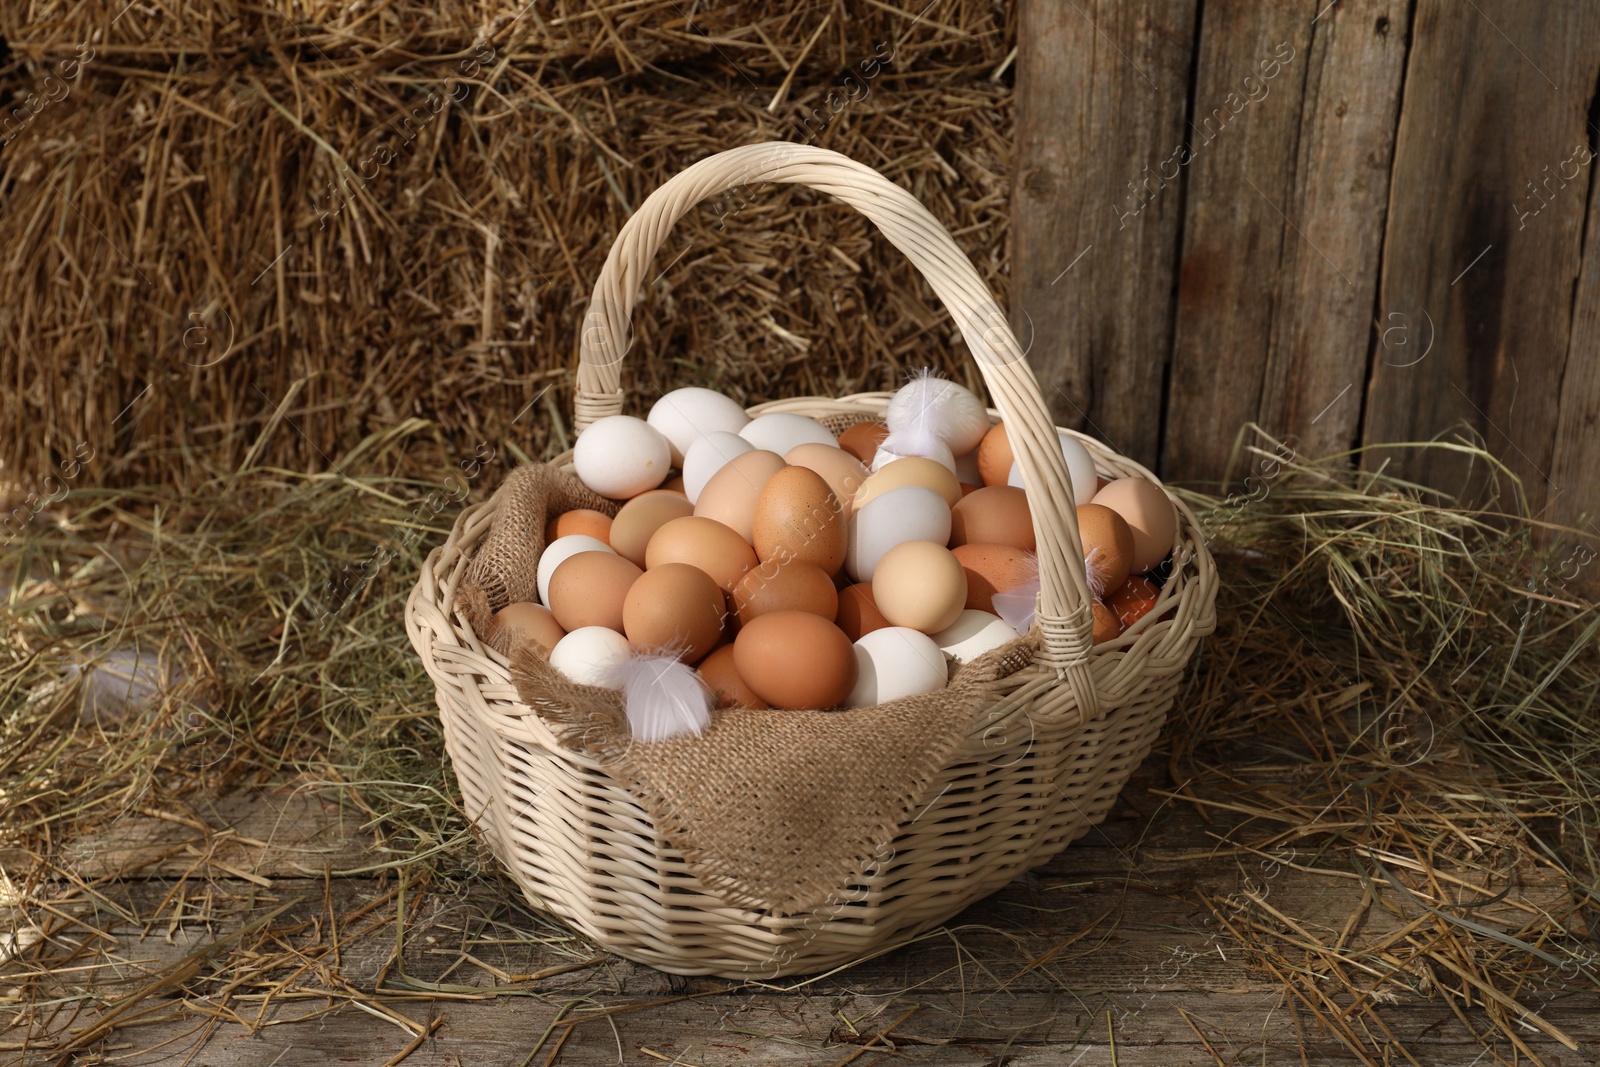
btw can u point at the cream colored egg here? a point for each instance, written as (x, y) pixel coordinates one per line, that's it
(913, 470)
(920, 584)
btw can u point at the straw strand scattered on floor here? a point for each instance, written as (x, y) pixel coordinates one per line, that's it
(1399, 702)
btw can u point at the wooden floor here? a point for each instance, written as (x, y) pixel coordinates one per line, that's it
(1147, 981)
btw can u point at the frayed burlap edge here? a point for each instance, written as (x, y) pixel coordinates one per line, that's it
(505, 563)
(776, 811)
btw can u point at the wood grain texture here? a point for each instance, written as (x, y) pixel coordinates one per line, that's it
(1316, 367)
(1245, 136)
(984, 1028)
(1575, 464)
(1094, 222)
(1482, 244)
(267, 834)
(998, 986)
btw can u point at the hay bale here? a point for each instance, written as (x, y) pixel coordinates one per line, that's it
(270, 237)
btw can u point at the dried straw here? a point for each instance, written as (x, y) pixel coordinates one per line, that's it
(1379, 713)
(243, 220)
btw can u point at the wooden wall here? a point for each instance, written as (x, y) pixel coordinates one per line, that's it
(1352, 222)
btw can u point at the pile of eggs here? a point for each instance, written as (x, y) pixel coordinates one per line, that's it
(796, 569)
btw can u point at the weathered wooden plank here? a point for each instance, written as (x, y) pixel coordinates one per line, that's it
(1482, 240)
(1102, 89)
(1243, 138)
(967, 1029)
(1316, 368)
(1575, 464)
(1001, 983)
(269, 834)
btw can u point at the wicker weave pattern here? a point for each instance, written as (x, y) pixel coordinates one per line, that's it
(1040, 766)
(1030, 780)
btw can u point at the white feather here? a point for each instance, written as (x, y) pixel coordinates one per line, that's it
(1095, 573)
(916, 441)
(665, 698)
(1018, 604)
(940, 408)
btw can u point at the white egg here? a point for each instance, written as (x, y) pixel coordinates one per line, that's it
(620, 456)
(683, 416)
(910, 513)
(706, 456)
(949, 411)
(894, 662)
(967, 469)
(1080, 467)
(558, 552)
(972, 634)
(591, 655)
(782, 430)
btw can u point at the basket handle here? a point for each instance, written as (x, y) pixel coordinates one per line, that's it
(1064, 613)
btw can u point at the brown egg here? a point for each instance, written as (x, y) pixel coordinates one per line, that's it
(993, 569)
(675, 485)
(910, 470)
(1133, 601)
(703, 543)
(674, 608)
(641, 517)
(795, 586)
(722, 678)
(588, 590)
(1106, 625)
(994, 515)
(968, 490)
(596, 524)
(858, 613)
(794, 659)
(730, 496)
(862, 439)
(994, 456)
(1149, 513)
(843, 472)
(920, 584)
(524, 622)
(1107, 547)
(797, 518)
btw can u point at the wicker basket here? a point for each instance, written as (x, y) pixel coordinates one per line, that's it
(1040, 765)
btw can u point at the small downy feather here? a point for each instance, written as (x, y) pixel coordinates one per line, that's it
(1095, 572)
(937, 407)
(665, 698)
(1018, 604)
(916, 441)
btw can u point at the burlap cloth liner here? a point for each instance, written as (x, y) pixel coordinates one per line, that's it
(773, 810)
